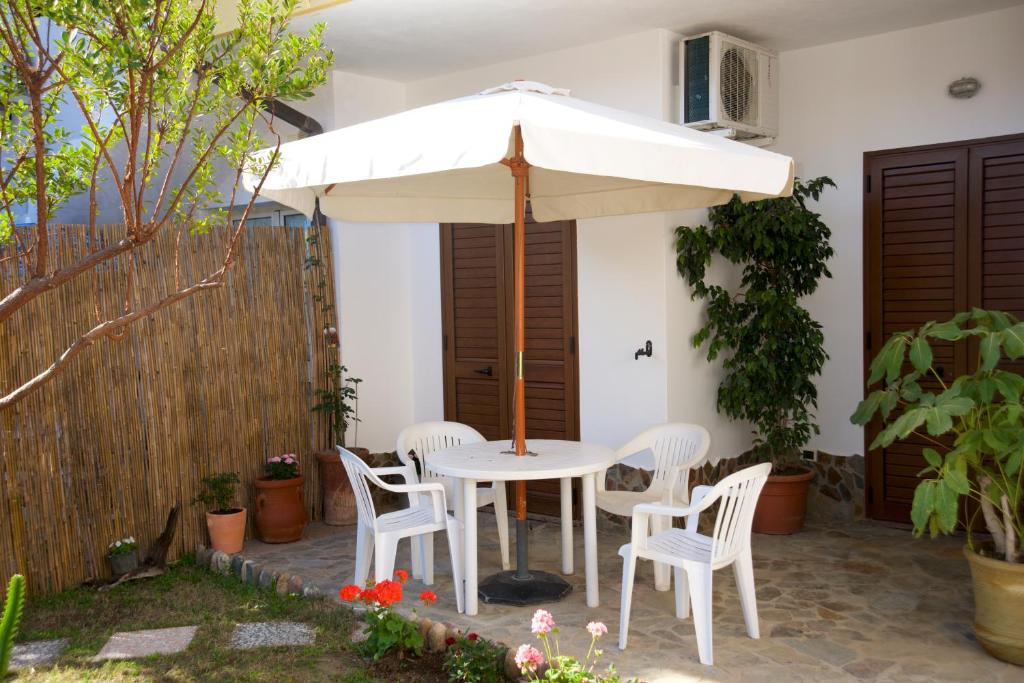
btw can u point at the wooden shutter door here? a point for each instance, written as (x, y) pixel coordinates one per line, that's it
(915, 271)
(996, 251)
(473, 292)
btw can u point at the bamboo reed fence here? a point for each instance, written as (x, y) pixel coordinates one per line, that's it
(218, 382)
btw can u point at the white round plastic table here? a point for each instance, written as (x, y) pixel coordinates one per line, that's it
(490, 461)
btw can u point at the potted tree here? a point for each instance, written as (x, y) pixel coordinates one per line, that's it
(123, 556)
(772, 348)
(974, 424)
(224, 521)
(280, 510)
(339, 404)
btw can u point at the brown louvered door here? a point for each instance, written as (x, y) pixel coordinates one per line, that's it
(474, 319)
(996, 253)
(943, 232)
(476, 270)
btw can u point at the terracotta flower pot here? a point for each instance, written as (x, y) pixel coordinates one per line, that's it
(281, 513)
(227, 530)
(783, 504)
(998, 606)
(339, 499)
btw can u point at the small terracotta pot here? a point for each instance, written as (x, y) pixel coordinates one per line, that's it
(783, 504)
(227, 530)
(339, 499)
(998, 606)
(281, 513)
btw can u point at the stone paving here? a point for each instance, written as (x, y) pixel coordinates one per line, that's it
(158, 641)
(850, 602)
(37, 653)
(271, 634)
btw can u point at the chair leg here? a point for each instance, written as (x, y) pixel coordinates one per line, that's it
(662, 571)
(364, 549)
(682, 593)
(743, 570)
(628, 574)
(454, 550)
(699, 578)
(384, 558)
(427, 548)
(501, 517)
(416, 555)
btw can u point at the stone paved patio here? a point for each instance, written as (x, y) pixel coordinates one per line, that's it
(854, 602)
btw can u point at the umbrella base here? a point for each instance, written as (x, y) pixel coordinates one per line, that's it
(504, 588)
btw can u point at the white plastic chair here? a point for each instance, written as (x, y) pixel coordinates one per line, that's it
(380, 534)
(670, 451)
(695, 556)
(427, 437)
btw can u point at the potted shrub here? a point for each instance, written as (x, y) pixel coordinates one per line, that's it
(772, 348)
(975, 425)
(339, 404)
(123, 556)
(280, 510)
(224, 520)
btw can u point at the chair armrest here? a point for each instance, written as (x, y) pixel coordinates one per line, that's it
(407, 472)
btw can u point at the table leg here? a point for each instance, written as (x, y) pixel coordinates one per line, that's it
(469, 543)
(590, 538)
(567, 549)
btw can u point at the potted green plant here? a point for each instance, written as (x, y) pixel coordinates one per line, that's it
(339, 404)
(224, 520)
(280, 509)
(771, 346)
(123, 556)
(974, 424)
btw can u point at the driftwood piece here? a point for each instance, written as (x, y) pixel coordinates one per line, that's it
(156, 558)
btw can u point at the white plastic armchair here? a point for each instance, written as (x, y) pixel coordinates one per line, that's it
(695, 556)
(380, 535)
(427, 437)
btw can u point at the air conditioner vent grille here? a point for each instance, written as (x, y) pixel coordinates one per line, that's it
(738, 83)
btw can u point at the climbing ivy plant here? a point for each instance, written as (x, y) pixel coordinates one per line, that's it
(772, 348)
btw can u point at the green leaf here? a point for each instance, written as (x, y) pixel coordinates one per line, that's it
(946, 506)
(989, 349)
(1013, 340)
(866, 408)
(920, 354)
(924, 501)
(933, 457)
(957, 482)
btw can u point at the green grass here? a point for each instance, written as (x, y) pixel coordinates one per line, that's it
(188, 595)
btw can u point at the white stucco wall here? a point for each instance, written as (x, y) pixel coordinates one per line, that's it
(843, 99)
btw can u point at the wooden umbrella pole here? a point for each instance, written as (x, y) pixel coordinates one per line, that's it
(520, 170)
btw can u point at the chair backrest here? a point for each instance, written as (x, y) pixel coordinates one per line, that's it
(361, 477)
(427, 437)
(677, 447)
(738, 493)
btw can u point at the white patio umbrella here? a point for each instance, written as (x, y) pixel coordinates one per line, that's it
(452, 163)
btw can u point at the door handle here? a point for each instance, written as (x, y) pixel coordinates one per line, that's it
(485, 371)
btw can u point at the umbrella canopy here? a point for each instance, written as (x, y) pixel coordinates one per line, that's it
(442, 163)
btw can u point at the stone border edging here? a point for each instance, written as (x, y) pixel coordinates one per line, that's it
(435, 634)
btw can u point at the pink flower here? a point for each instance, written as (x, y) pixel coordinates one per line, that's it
(288, 458)
(597, 629)
(528, 657)
(542, 622)
(276, 458)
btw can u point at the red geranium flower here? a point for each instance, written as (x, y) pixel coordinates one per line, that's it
(449, 641)
(428, 597)
(388, 593)
(473, 636)
(368, 595)
(401, 575)
(350, 592)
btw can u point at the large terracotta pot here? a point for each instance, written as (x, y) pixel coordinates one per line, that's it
(339, 499)
(281, 513)
(227, 530)
(783, 504)
(998, 606)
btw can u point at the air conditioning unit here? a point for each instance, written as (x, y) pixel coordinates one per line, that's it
(729, 84)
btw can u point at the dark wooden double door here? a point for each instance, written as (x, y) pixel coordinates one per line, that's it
(477, 302)
(944, 232)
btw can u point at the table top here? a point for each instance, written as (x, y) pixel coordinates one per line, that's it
(487, 461)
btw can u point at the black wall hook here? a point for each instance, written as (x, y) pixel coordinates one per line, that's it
(646, 350)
